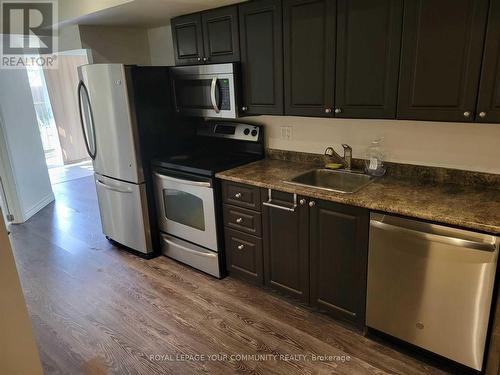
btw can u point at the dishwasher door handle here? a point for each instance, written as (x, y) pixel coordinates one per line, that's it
(453, 241)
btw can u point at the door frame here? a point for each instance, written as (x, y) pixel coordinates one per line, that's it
(8, 191)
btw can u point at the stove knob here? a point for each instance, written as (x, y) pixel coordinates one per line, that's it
(246, 131)
(254, 133)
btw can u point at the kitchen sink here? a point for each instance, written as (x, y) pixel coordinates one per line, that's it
(339, 181)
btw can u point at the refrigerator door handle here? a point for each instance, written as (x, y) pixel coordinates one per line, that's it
(82, 88)
(109, 187)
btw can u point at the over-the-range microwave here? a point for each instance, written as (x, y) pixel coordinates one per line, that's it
(206, 90)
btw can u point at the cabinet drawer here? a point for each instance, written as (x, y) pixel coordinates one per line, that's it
(242, 219)
(244, 256)
(241, 195)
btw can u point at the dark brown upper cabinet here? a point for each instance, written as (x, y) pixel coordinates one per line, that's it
(207, 37)
(261, 43)
(286, 245)
(442, 50)
(309, 56)
(368, 55)
(488, 108)
(188, 39)
(220, 35)
(339, 256)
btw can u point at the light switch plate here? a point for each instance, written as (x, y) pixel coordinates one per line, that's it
(286, 133)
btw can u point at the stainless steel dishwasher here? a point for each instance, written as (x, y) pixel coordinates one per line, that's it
(431, 285)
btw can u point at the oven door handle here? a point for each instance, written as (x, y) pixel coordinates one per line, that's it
(212, 95)
(181, 181)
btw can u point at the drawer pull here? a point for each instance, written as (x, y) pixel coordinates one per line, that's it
(237, 195)
(239, 220)
(241, 247)
(270, 203)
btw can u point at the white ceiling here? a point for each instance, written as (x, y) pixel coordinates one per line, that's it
(147, 12)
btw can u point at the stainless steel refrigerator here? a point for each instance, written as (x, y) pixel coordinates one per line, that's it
(108, 113)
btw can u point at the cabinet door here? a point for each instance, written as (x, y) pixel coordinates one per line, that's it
(309, 54)
(262, 57)
(244, 256)
(220, 35)
(441, 59)
(368, 52)
(188, 40)
(286, 246)
(339, 251)
(488, 109)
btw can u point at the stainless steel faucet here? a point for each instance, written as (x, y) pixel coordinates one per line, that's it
(346, 159)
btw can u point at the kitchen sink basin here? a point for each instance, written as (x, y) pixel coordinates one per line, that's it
(339, 181)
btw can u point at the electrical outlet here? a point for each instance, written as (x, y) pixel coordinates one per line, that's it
(286, 133)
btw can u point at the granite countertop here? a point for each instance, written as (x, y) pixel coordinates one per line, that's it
(469, 207)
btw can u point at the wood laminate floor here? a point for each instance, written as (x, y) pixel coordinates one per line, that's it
(99, 310)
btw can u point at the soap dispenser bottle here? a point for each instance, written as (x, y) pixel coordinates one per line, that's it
(375, 158)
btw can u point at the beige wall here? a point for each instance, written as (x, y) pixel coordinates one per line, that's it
(161, 46)
(115, 44)
(69, 38)
(71, 9)
(18, 351)
(453, 145)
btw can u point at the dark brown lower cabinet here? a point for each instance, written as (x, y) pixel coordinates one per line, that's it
(244, 256)
(286, 247)
(313, 250)
(339, 252)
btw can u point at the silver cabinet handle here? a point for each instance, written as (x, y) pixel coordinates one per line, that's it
(213, 87)
(113, 188)
(338, 110)
(244, 109)
(302, 202)
(312, 203)
(180, 181)
(434, 237)
(241, 247)
(482, 114)
(467, 114)
(239, 220)
(205, 59)
(328, 110)
(199, 59)
(237, 195)
(270, 203)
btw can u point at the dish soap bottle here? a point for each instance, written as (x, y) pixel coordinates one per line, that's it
(375, 158)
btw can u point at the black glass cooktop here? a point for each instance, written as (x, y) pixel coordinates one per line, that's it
(205, 163)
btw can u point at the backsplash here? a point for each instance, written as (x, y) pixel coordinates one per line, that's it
(414, 173)
(465, 146)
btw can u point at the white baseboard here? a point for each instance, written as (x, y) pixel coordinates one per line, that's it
(37, 207)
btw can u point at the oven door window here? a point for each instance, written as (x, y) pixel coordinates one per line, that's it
(194, 93)
(184, 208)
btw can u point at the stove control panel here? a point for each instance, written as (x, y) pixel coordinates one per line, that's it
(231, 130)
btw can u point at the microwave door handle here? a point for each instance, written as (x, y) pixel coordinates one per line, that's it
(212, 95)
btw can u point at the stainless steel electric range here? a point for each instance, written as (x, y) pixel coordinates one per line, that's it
(188, 194)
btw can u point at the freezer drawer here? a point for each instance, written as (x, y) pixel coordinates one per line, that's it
(124, 213)
(191, 254)
(431, 286)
